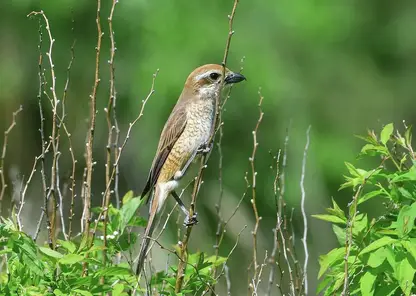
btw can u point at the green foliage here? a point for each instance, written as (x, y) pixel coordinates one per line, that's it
(379, 253)
(29, 269)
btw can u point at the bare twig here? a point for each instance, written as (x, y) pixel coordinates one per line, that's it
(23, 194)
(276, 246)
(41, 129)
(3, 154)
(51, 194)
(71, 150)
(109, 110)
(91, 129)
(305, 219)
(253, 186)
(198, 181)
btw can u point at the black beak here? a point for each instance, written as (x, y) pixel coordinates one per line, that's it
(234, 78)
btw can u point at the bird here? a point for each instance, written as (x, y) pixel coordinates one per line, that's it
(185, 135)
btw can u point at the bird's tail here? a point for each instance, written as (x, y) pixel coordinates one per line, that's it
(151, 223)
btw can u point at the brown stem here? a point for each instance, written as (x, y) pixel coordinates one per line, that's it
(3, 155)
(91, 130)
(109, 110)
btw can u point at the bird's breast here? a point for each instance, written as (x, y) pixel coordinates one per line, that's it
(200, 121)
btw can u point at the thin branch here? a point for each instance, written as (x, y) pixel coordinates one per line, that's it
(23, 194)
(51, 194)
(109, 110)
(305, 219)
(3, 154)
(253, 186)
(91, 130)
(42, 83)
(276, 247)
(71, 150)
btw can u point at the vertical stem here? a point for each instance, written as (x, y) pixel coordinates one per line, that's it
(91, 130)
(305, 219)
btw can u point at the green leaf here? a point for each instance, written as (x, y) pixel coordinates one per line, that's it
(377, 258)
(323, 284)
(83, 292)
(128, 210)
(126, 198)
(386, 133)
(406, 219)
(410, 175)
(28, 251)
(371, 149)
(367, 284)
(329, 218)
(385, 240)
(71, 259)
(360, 224)
(408, 135)
(340, 234)
(336, 211)
(68, 245)
(118, 289)
(50, 253)
(410, 246)
(370, 195)
(387, 289)
(405, 273)
(328, 260)
(352, 170)
(113, 271)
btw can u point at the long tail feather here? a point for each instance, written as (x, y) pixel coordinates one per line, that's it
(148, 232)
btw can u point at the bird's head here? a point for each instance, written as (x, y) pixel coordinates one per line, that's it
(207, 81)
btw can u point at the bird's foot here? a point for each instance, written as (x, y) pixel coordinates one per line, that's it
(190, 221)
(205, 148)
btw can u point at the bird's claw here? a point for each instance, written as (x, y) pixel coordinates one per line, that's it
(205, 148)
(190, 221)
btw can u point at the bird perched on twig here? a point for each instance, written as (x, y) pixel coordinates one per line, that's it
(185, 135)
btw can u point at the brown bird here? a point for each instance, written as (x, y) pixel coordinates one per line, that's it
(185, 134)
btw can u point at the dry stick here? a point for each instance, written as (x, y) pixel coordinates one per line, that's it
(72, 188)
(253, 186)
(276, 245)
(113, 95)
(3, 154)
(71, 151)
(41, 129)
(198, 181)
(305, 219)
(23, 194)
(90, 137)
(227, 279)
(108, 110)
(53, 138)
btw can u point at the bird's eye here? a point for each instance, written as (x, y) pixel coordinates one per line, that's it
(214, 76)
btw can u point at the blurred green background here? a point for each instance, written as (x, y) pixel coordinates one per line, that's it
(341, 66)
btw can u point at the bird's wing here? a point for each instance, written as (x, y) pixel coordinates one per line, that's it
(171, 132)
